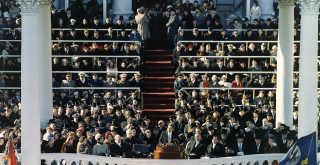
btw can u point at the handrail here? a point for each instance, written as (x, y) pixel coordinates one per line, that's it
(98, 88)
(81, 88)
(228, 56)
(85, 159)
(128, 72)
(226, 41)
(111, 56)
(10, 88)
(234, 56)
(99, 41)
(10, 40)
(89, 29)
(92, 56)
(224, 88)
(226, 72)
(12, 56)
(219, 30)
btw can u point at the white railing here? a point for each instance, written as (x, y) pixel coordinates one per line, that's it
(83, 159)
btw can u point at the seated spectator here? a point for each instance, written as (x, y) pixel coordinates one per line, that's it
(215, 149)
(100, 148)
(195, 149)
(120, 148)
(82, 81)
(179, 83)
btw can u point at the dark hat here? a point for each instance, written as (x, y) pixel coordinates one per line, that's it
(192, 125)
(224, 131)
(240, 135)
(257, 136)
(291, 136)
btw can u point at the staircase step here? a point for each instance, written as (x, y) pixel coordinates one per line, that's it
(158, 52)
(158, 95)
(156, 105)
(158, 57)
(157, 73)
(157, 84)
(157, 63)
(150, 100)
(159, 79)
(158, 89)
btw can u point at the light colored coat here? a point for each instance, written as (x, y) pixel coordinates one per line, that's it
(143, 26)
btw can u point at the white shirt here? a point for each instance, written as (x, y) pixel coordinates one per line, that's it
(169, 137)
(240, 147)
(213, 145)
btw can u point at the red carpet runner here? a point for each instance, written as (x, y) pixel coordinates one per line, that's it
(158, 79)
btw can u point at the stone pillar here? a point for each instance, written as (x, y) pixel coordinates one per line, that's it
(248, 8)
(30, 82)
(308, 73)
(57, 4)
(104, 10)
(266, 7)
(66, 4)
(45, 87)
(284, 91)
(122, 7)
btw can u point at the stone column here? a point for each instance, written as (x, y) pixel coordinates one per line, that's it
(30, 82)
(248, 8)
(45, 87)
(266, 7)
(66, 4)
(105, 10)
(284, 91)
(122, 7)
(308, 73)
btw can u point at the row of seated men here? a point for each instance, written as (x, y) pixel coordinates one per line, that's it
(109, 34)
(216, 57)
(230, 35)
(212, 80)
(98, 80)
(98, 135)
(97, 48)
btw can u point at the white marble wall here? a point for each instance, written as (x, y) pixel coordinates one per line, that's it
(266, 8)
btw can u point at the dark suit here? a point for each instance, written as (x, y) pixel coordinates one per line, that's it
(79, 83)
(164, 137)
(217, 151)
(195, 152)
(257, 150)
(125, 150)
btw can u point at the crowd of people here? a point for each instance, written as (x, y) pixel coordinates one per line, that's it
(212, 123)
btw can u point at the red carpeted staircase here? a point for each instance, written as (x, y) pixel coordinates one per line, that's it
(158, 80)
